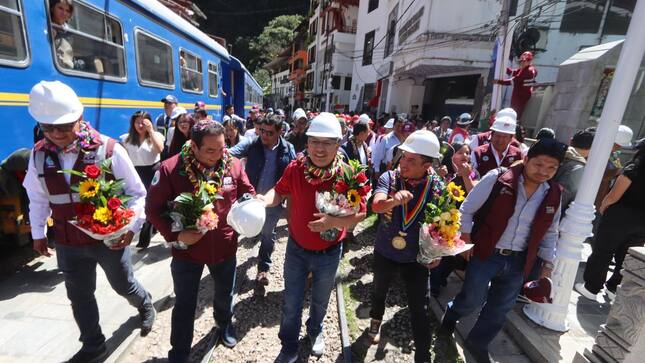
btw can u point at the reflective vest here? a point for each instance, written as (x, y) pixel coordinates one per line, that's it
(489, 226)
(62, 200)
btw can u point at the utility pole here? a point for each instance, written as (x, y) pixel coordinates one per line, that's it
(329, 76)
(501, 56)
(576, 225)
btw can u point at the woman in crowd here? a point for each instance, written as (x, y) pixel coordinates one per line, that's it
(60, 12)
(181, 134)
(456, 167)
(621, 227)
(144, 146)
(231, 133)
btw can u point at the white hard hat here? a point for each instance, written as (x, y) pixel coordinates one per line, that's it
(325, 125)
(504, 125)
(624, 136)
(177, 111)
(389, 124)
(364, 118)
(247, 216)
(298, 114)
(54, 103)
(422, 142)
(506, 112)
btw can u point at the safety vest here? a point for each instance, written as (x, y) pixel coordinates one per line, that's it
(62, 200)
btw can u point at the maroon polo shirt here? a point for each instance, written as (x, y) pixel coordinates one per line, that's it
(303, 207)
(215, 246)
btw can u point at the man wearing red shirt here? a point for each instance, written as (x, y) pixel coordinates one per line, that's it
(203, 157)
(307, 252)
(522, 80)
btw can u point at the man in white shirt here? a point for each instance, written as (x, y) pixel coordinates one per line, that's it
(379, 154)
(71, 143)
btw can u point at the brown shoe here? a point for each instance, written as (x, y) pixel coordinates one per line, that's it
(375, 331)
(262, 278)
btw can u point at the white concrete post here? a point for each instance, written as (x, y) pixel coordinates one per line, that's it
(576, 225)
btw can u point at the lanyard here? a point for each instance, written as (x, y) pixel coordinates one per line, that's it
(409, 216)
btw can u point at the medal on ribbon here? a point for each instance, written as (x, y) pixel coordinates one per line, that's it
(410, 215)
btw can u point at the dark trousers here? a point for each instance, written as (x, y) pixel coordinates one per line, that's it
(621, 227)
(78, 265)
(186, 276)
(146, 173)
(415, 278)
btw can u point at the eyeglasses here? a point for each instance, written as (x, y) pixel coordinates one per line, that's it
(267, 132)
(60, 128)
(327, 144)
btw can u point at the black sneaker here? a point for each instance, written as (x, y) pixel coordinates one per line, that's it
(147, 314)
(227, 335)
(90, 357)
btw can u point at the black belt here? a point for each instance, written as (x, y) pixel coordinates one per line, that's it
(319, 252)
(507, 252)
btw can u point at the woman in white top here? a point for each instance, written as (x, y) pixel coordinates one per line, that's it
(144, 146)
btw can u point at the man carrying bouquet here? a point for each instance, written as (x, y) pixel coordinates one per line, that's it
(512, 217)
(203, 159)
(405, 193)
(318, 170)
(70, 143)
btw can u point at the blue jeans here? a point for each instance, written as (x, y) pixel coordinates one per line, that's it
(78, 265)
(268, 237)
(298, 264)
(186, 276)
(505, 275)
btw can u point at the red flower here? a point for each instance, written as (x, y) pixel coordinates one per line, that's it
(92, 171)
(362, 191)
(341, 187)
(84, 209)
(361, 178)
(114, 203)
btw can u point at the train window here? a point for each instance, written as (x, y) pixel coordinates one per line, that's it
(13, 43)
(89, 43)
(212, 80)
(191, 72)
(154, 61)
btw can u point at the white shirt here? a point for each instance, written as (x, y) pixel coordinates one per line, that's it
(171, 133)
(250, 133)
(380, 150)
(362, 155)
(144, 154)
(122, 168)
(498, 158)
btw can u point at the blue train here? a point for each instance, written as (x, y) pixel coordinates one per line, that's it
(127, 55)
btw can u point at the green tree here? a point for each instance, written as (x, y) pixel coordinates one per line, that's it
(277, 34)
(263, 78)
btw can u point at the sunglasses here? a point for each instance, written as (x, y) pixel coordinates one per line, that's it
(60, 128)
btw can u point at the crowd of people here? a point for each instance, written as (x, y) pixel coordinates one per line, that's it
(515, 197)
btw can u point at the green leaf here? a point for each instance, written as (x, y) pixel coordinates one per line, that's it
(73, 172)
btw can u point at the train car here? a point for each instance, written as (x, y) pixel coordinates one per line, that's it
(126, 55)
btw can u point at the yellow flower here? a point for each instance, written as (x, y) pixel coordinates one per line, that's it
(456, 193)
(210, 189)
(445, 216)
(102, 214)
(88, 188)
(354, 198)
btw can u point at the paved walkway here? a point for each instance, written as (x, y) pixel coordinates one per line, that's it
(36, 318)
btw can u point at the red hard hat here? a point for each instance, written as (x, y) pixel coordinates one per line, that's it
(528, 56)
(538, 290)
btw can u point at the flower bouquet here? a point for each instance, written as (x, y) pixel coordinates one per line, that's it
(439, 234)
(101, 212)
(351, 188)
(194, 211)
